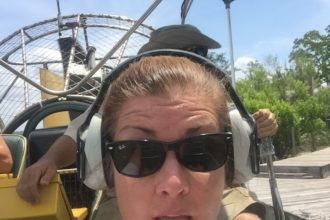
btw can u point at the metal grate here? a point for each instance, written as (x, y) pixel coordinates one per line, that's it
(78, 194)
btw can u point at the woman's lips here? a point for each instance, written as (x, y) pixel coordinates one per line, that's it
(174, 218)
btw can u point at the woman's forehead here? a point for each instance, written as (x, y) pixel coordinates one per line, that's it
(175, 99)
(159, 114)
(187, 101)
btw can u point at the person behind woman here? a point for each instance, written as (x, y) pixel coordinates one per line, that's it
(6, 160)
(170, 114)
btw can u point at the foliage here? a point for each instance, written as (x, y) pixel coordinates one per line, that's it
(288, 135)
(290, 89)
(256, 85)
(310, 111)
(301, 117)
(313, 50)
(295, 93)
(258, 91)
(323, 97)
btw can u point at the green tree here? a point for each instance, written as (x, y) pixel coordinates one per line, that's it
(315, 49)
(289, 87)
(323, 97)
(257, 85)
(288, 134)
(259, 91)
(310, 111)
(305, 70)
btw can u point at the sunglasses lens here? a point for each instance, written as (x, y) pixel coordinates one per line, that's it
(138, 158)
(204, 153)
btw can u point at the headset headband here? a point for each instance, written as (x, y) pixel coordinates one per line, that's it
(162, 52)
(254, 152)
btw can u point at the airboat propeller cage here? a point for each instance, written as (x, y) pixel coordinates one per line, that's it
(66, 44)
(90, 132)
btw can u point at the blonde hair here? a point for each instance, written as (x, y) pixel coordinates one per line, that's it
(158, 75)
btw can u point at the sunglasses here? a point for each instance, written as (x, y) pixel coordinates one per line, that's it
(139, 158)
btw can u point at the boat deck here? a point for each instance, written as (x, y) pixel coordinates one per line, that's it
(303, 183)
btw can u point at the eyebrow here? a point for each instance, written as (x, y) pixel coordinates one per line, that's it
(151, 133)
(147, 131)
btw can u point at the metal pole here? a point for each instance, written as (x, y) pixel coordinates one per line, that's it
(121, 53)
(232, 65)
(117, 45)
(59, 18)
(26, 89)
(72, 55)
(185, 9)
(8, 89)
(266, 151)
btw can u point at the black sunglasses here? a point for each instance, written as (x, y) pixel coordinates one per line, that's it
(139, 158)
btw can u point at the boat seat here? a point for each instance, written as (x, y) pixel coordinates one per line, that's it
(40, 140)
(17, 147)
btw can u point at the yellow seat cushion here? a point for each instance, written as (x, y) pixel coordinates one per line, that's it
(6, 175)
(79, 213)
(53, 203)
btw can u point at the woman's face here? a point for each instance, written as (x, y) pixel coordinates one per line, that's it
(173, 192)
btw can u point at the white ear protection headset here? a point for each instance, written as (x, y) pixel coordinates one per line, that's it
(90, 137)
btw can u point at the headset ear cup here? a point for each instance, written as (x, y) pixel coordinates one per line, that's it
(94, 175)
(241, 142)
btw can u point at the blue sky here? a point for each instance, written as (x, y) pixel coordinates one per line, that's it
(260, 27)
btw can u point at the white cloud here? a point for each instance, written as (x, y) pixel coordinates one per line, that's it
(241, 64)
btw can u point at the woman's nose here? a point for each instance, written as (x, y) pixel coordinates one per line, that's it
(172, 179)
